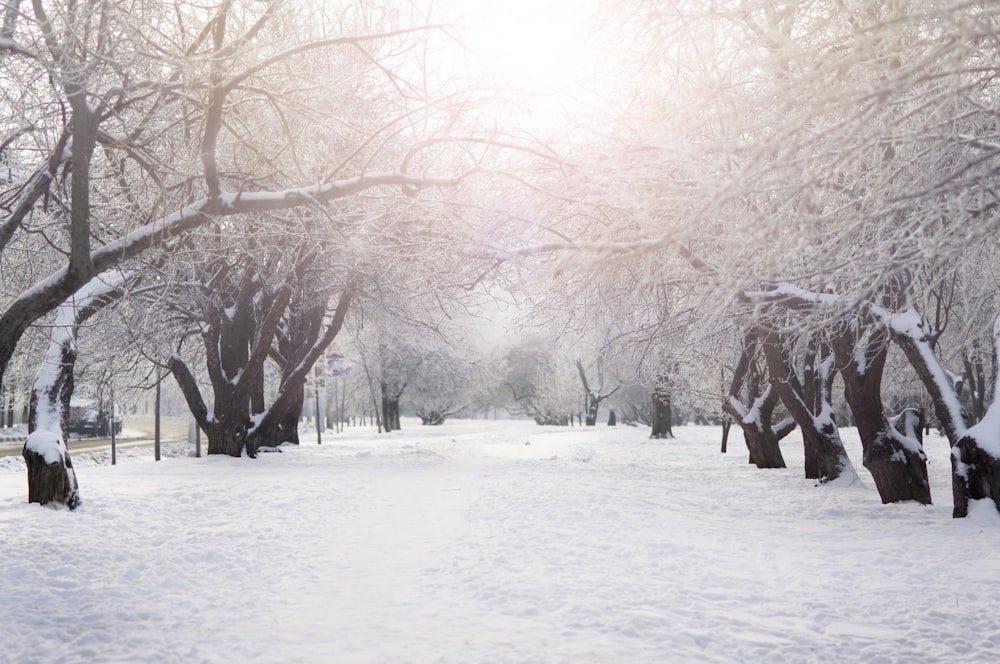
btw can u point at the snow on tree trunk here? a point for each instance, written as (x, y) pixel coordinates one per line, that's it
(971, 465)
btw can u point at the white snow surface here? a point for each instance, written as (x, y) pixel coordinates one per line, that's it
(492, 541)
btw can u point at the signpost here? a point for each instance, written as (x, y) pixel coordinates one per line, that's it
(337, 367)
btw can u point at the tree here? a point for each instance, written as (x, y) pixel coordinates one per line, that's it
(596, 394)
(536, 382)
(751, 404)
(807, 400)
(51, 477)
(266, 302)
(894, 457)
(662, 413)
(836, 149)
(130, 104)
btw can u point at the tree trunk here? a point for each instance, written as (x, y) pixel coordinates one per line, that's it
(282, 427)
(820, 435)
(759, 434)
(395, 414)
(662, 413)
(979, 471)
(390, 409)
(593, 403)
(970, 477)
(897, 462)
(763, 446)
(975, 464)
(51, 477)
(593, 397)
(229, 440)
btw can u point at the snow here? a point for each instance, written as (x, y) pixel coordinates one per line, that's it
(784, 291)
(986, 431)
(492, 542)
(908, 323)
(47, 444)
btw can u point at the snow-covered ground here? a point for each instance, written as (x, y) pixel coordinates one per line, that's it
(465, 543)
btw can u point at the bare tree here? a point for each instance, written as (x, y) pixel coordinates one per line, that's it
(596, 393)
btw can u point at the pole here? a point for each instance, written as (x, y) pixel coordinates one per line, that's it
(343, 400)
(197, 440)
(156, 424)
(114, 450)
(336, 422)
(319, 427)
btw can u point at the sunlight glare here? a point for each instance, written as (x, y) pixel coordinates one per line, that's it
(535, 47)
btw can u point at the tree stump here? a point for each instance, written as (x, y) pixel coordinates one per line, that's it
(51, 478)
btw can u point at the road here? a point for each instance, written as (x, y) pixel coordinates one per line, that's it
(139, 431)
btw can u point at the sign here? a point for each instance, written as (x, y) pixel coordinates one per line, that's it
(336, 365)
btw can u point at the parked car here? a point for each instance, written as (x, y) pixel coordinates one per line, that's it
(89, 417)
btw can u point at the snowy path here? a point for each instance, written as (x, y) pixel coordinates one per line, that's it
(464, 544)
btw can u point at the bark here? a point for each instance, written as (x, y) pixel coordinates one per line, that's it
(53, 482)
(593, 405)
(229, 440)
(896, 461)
